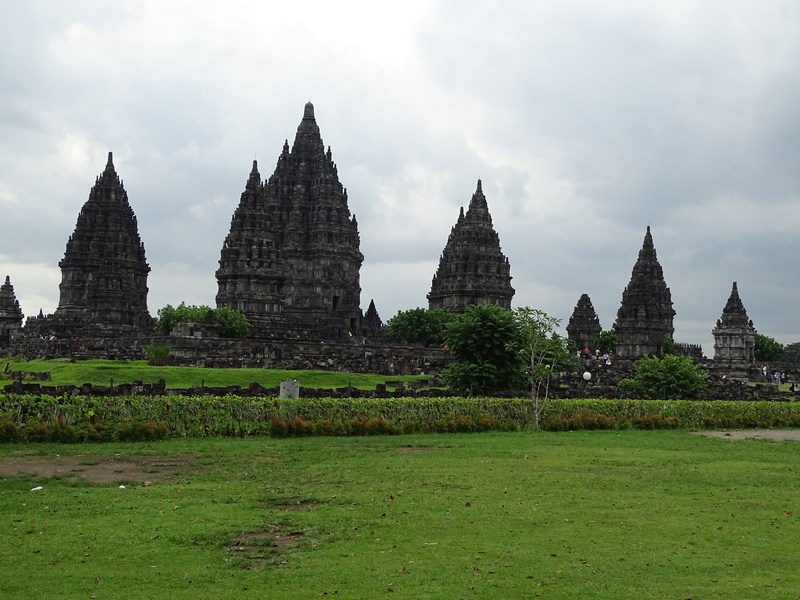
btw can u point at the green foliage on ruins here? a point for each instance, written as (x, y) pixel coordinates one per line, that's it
(232, 323)
(484, 343)
(671, 377)
(669, 345)
(356, 518)
(767, 349)
(419, 326)
(606, 341)
(791, 352)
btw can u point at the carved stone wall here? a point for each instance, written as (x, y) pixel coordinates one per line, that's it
(584, 324)
(734, 338)
(10, 313)
(291, 261)
(104, 271)
(645, 314)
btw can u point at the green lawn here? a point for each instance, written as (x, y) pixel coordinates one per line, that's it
(104, 372)
(664, 514)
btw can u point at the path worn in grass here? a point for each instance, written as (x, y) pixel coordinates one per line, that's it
(99, 469)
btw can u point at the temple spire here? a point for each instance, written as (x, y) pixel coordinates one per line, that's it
(645, 315)
(254, 180)
(103, 288)
(734, 339)
(584, 326)
(10, 313)
(478, 202)
(285, 234)
(472, 267)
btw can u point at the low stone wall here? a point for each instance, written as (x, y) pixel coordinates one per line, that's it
(349, 355)
(253, 390)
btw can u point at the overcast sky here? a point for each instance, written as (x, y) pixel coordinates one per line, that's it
(587, 121)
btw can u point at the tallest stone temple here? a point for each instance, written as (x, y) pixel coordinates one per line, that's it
(291, 261)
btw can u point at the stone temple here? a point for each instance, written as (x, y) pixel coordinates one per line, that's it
(103, 289)
(584, 325)
(645, 315)
(291, 260)
(472, 267)
(10, 313)
(734, 338)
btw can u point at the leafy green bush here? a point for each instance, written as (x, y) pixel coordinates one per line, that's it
(791, 352)
(232, 323)
(419, 326)
(767, 349)
(668, 377)
(484, 342)
(606, 341)
(157, 352)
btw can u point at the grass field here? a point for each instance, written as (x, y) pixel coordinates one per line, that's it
(664, 514)
(106, 372)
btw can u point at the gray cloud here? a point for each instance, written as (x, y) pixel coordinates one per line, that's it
(586, 121)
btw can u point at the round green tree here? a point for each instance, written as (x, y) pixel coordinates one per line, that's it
(484, 343)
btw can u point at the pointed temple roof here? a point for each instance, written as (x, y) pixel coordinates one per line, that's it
(254, 181)
(10, 313)
(104, 269)
(10, 310)
(734, 314)
(291, 259)
(372, 320)
(645, 314)
(472, 268)
(734, 339)
(584, 325)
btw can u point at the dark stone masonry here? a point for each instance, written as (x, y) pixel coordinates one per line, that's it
(734, 338)
(583, 325)
(103, 289)
(291, 263)
(645, 314)
(10, 313)
(472, 268)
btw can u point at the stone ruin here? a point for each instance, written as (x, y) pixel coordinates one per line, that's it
(10, 313)
(103, 290)
(645, 315)
(584, 325)
(734, 339)
(472, 267)
(291, 262)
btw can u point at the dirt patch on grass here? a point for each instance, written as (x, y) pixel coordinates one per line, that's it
(264, 546)
(98, 469)
(776, 435)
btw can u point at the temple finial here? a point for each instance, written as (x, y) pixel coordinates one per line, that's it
(110, 163)
(308, 113)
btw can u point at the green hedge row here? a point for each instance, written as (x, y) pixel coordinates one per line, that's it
(46, 418)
